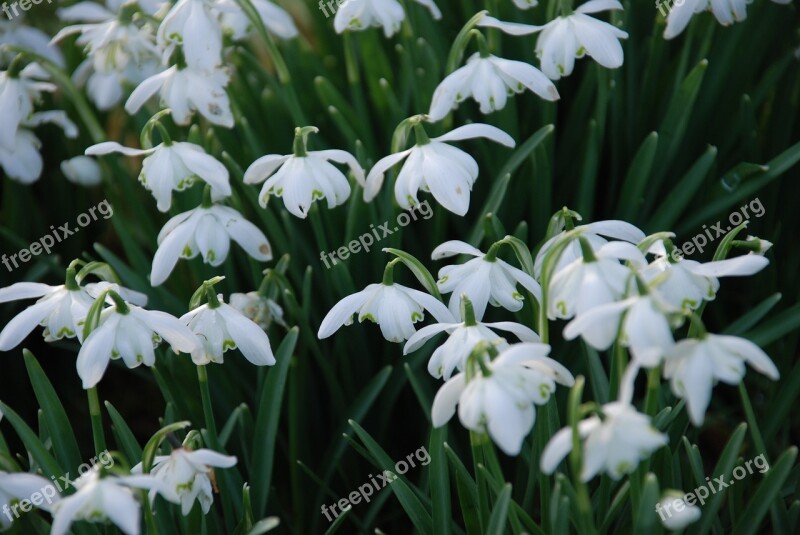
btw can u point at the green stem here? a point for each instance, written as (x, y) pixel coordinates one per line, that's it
(584, 502)
(97, 421)
(208, 411)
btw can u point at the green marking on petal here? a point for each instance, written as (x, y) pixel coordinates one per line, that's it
(562, 308)
(187, 251)
(228, 344)
(416, 316)
(316, 195)
(518, 296)
(369, 317)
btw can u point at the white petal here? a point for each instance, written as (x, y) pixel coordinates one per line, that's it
(511, 28)
(429, 303)
(95, 353)
(147, 89)
(107, 147)
(749, 264)
(374, 179)
(24, 290)
(249, 338)
(446, 399)
(452, 248)
(594, 6)
(600, 41)
(423, 335)
(754, 355)
(212, 458)
(262, 168)
(26, 321)
(344, 157)
(342, 313)
(475, 130)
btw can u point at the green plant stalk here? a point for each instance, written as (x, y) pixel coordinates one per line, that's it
(97, 421)
(208, 411)
(752, 422)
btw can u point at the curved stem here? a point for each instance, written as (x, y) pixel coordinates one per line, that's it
(208, 412)
(97, 421)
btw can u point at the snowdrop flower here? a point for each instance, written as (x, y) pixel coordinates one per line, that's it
(446, 172)
(693, 366)
(304, 177)
(14, 32)
(99, 499)
(173, 166)
(489, 80)
(61, 310)
(595, 279)
(392, 306)
(614, 444)
(82, 170)
(573, 36)
(21, 486)
(206, 230)
(119, 51)
(689, 282)
(131, 333)
(183, 476)
(676, 519)
(195, 26)
(276, 20)
(19, 147)
(261, 310)
(500, 396)
(221, 327)
(726, 12)
(644, 321)
(462, 339)
(362, 14)
(485, 279)
(185, 90)
(593, 233)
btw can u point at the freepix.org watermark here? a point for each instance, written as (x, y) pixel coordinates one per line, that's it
(12, 10)
(718, 230)
(48, 241)
(712, 486)
(49, 493)
(369, 488)
(376, 234)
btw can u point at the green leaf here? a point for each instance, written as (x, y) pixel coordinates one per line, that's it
(646, 518)
(765, 496)
(125, 437)
(151, 448)
(413, 507)
(439, 482)
(636, 179)
(32, 443)
(420, 271)
(499, 517)
(268, 417)
(55, 417)
(724, 466)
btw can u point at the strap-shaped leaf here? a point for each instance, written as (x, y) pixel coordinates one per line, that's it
(420, 272)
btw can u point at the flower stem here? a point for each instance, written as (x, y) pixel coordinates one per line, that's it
(208, 412)
(755, 431)
(97, 420)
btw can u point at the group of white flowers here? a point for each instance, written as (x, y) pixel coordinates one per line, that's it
(614, 284)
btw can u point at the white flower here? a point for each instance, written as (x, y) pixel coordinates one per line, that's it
(642, 322)
(99, 500)
(489, 80)
(582, 285)
(276, 20)
(206, 231)
(131, 333)
(119, 51)
(392, 306)
(446, 172)
(260, 309)
(526, 4)
(694, 366)
(82, 170)
(18, 93)
(195, 26)
(186, 90)
(500, 400)
(12, 32)
(462, 339)
(361, 14)
(221, 328)
(483, 280)
(689, 282)
(726, 12)
(61, 311)
(592, 232)
(303, 178)
(675, 519)
(21, 486)
(614, 444)
(183, 476)
(173, 167)
(566, 38)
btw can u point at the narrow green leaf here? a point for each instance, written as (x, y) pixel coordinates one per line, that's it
(420, 271)
(767, 492)
(499, 517)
